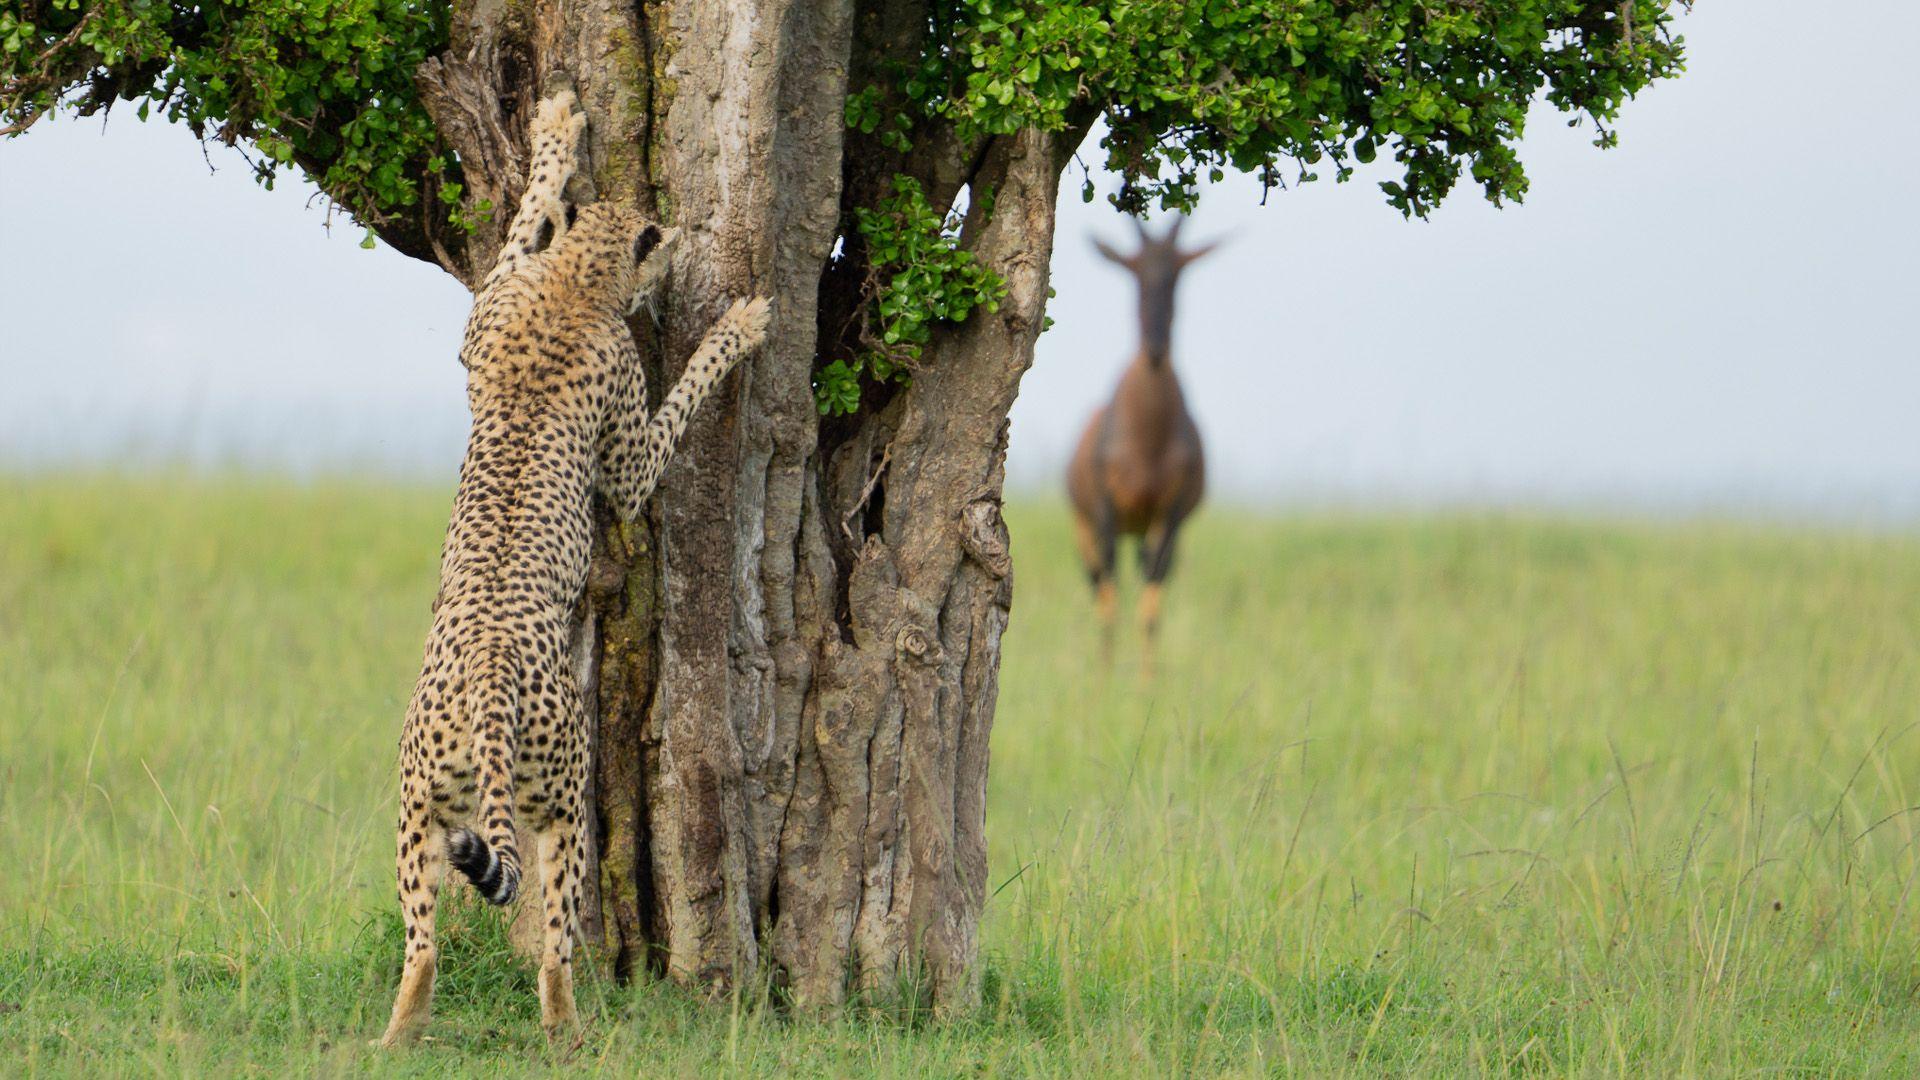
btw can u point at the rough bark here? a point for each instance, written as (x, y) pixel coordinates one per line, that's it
(795, 658)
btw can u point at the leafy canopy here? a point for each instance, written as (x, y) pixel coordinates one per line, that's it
(1189, 88)
(324, 85)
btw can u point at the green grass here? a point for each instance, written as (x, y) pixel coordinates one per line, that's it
(1427, 796)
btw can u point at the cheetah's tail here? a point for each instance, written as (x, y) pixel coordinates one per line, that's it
(489, 858)
(497, 879)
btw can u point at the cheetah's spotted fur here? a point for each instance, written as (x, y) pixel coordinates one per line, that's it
(494, 730)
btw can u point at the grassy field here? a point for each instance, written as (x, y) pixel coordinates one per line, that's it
(1421, 796)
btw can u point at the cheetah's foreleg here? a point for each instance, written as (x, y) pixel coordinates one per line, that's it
(551, 139)
(645, 446)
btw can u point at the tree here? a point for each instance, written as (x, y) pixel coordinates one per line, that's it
(794, 660)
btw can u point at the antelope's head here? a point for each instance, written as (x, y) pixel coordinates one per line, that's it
(1156, 267)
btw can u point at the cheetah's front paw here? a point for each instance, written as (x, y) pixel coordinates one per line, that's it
(557, 119)
(749, 319)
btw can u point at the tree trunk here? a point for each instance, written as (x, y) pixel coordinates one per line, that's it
(795, 657)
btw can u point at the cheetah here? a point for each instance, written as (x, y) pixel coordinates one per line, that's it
(494, 731)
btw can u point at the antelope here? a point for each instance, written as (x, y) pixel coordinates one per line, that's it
(1139, 469)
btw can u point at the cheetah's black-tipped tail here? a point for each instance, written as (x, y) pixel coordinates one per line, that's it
(497, 879)
(489, 856)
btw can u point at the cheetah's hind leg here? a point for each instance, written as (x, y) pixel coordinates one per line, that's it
(560, 842)
(422, 863)
(560, 853)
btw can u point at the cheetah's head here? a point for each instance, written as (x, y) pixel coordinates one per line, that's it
(636, 250)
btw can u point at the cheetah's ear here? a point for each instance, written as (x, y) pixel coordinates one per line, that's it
(653, 251)
(644, 244)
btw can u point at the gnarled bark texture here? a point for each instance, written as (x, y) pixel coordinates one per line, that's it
(795, 658)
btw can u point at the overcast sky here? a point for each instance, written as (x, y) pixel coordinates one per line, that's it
(1716, 316)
